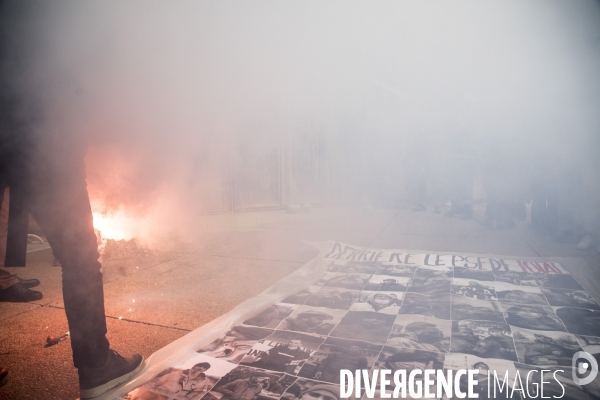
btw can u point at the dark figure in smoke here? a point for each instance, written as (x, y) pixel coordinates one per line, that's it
(47, 166)
(460, 174)
(504, 182)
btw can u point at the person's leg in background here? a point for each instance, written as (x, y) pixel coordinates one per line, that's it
(12, 288)
(18, 224)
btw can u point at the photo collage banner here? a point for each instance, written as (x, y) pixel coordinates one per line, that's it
(383, 309)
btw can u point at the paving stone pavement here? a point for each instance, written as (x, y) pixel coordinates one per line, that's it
(152, 301)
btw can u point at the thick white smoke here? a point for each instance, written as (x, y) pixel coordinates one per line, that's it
(171, 95)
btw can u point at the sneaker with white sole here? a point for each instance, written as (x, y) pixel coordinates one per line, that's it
(117, 370)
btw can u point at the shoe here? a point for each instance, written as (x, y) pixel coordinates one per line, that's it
(29, 283)
(3, 376)
(585, 243)
(19, 293)
(94, 382)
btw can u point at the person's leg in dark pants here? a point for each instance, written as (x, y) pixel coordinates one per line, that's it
(63, 212)
(61, 206)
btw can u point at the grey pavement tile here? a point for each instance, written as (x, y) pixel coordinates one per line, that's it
(190, 296)
(39, 266)
(130, 279)
(36, 372)
(10, 309)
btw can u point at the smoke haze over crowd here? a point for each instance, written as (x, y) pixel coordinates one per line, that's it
(169, 95)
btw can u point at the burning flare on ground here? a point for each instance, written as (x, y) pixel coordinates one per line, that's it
(117, 232)
(115, 225)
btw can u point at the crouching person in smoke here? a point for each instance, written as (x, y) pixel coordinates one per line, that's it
(48, 166)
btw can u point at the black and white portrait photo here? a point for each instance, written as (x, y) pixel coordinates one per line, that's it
(282, 351)
(383, 302)
(249, 383)
(570, 298)
(300, 297)
(317, 320)
(354, 281)
(406, 271)
(365, 325)
(536, 317)
(387, 283)
(431, 282)
(331, 297)
(468, 273)
(435, 305)
(337, 354)
(545, 347)
(516, 278)
(562, 281)
(580, 321)
(271, 317)
(190, 380)
(237, 342)
(473, 289)
(483, 339)
(421, 332)
(399, 358)
(514, 294)
(466, 308)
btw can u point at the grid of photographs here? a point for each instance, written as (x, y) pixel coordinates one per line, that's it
(495, 316)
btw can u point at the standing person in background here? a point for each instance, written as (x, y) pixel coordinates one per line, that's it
(47, 164)
(12, 288)
(462, 162)
(417, 166)
(544, 194)
(504, 182)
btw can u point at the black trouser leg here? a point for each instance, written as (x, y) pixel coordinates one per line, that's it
(18, 224)
(64, 214)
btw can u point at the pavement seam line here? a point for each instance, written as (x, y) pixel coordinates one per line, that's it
(384, 228)
(528, 244)
(258, 259)
(133, 321)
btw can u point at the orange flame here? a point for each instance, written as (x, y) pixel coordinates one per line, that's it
(116, 225)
